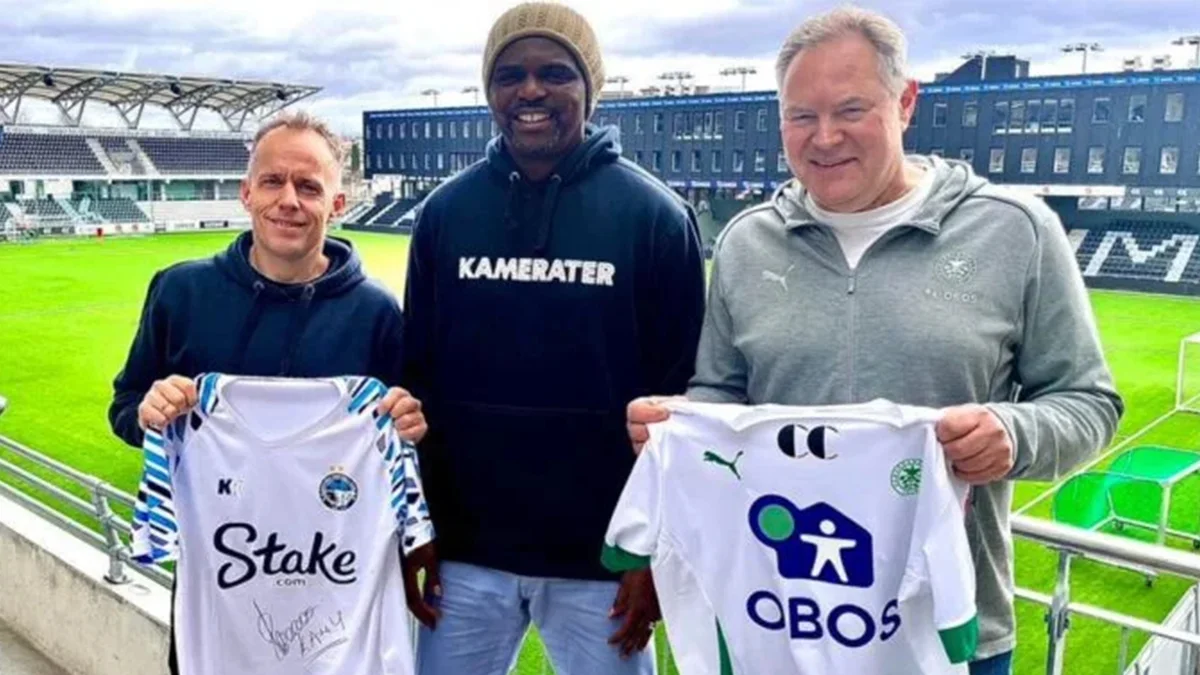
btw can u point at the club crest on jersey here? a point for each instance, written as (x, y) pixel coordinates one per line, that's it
(338, 491)
(906, 477)
(799, 441)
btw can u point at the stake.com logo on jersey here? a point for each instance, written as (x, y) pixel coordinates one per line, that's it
(820, 544)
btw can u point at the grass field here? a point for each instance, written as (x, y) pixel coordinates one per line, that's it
(70, 308)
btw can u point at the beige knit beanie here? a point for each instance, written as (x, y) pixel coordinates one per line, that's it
(556, 22)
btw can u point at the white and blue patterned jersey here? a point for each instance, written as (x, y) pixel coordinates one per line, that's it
(801, 541)
(286, 504)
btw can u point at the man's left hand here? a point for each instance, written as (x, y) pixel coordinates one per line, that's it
(406, 414)
(976, 444)
(637, 602)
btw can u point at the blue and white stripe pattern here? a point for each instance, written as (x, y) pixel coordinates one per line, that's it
(400, 458)
(155, 532)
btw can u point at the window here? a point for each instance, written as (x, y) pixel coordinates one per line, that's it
(760, 161)
(656, 161)
(391, 161)
(402, 167)
(1033, 116)
(676, 160)
(1066, 115)
(739, 161)
(708, 124)
(1101, 110)
(1049, 114)
(368, 132)
(1133, 160)
(379, 130)
(719, 123)
(1016, 117)
(637, 157)
(493, 127)
(1028, 160)
(762, 119)
(416, 129)
(697, 161)
(427, 129)
(1000, 117)
(970, 116)
(967, 155)
(716, 161)
(403, 129)
(678, 125)
(1168, 161)
(479, 128)
(466, 130)
(939, 114)
(368, 161)
(658, 123)
(391, 132)
(1095, 159)
(428, 164)
(1137, 108)
(996, 160)
(453, 130)
(413, 163)
(441, 161)
(739, 120)
(697, 124)
(637, 124)
(1174, 112)
(1062, 160)
(781, 165)
(378, 158)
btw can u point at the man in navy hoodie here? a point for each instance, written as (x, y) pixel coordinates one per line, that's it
(547, 287)
(282, 300)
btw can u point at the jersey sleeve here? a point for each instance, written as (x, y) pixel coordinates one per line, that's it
(633, 529)
(940, 557)
(155, 535)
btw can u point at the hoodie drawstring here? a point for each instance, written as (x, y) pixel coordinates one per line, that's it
(256, 307)
(512, 211)
(549, 204)
(296, 327)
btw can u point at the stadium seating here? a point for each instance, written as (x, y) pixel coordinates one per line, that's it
(45, 209)
(1141, 251)
(196, 155)
(48, 154)
(388, 210)
(121, 210)
(121, 154)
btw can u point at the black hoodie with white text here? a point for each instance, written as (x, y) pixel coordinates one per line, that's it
(534, 314)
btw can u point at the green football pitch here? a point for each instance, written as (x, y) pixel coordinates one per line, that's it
(69, 309)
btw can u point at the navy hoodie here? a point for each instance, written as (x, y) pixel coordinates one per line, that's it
(534, 314)
(221, 315)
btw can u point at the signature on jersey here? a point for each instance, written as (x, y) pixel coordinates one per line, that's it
(312, 639)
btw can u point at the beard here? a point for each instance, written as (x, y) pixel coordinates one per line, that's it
(539, 147)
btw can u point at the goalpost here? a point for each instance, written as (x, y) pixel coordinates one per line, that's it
(1187, 378)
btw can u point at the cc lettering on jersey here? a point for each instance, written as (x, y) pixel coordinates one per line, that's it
(799, 441)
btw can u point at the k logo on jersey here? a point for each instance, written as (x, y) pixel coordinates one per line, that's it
(797, 440)
(818, 543)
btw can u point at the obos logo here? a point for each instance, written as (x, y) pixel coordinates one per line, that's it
(819, 544)
(338, 491)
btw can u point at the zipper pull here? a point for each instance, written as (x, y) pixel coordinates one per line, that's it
(850, 288)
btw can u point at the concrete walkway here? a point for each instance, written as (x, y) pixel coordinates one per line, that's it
(18, 658)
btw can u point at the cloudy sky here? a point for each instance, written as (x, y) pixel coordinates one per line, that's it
(369, 55)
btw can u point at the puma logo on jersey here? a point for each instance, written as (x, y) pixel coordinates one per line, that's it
(714, 458)
(538, 270)
(781, 279)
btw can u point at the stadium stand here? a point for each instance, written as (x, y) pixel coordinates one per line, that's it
(121, 210)
(122, 155)
(1153, 252)
(51, 154)
(44, 208)
(196, 155)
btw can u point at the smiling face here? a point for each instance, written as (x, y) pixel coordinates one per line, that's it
(842, 127)
(538, 96)
(291, 192)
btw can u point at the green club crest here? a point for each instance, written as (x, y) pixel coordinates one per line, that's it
(906, 477)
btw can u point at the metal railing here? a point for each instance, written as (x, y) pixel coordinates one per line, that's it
(1072, 543)
(1068, 541)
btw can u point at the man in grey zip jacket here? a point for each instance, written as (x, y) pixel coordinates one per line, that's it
(909, 279)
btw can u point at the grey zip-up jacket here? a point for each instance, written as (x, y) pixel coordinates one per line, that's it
(977, 300)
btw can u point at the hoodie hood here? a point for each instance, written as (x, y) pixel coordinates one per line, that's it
(600, 146)
(344, 273)
(953, 182)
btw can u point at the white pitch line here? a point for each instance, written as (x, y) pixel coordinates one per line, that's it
(1108, 453)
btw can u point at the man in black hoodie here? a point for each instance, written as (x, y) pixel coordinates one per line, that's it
(282, 300)
(547, 287)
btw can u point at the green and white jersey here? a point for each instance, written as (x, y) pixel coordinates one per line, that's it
(790, 540)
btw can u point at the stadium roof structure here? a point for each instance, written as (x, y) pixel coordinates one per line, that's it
(129, 93)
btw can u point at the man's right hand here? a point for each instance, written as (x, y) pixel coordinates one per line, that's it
(166, 400)
(643, 411)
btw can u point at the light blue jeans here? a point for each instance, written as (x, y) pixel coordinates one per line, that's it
(1000, 664)
(485, 613)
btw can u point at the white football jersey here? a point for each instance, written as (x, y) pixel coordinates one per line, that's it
(286, 503)
(791, 540)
